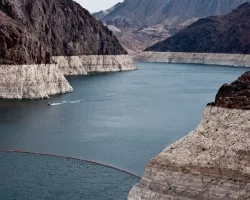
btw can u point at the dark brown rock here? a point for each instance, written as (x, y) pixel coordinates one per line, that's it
(220, 34)
(31, 31)
(235, 95)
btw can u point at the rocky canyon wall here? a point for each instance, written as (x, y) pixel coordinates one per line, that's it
(40, 81)
(86, 64)
(213, 161)
(58, 34)
(32, 81)
(237, 60)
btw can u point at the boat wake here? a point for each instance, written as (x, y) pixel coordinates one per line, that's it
(104, 98)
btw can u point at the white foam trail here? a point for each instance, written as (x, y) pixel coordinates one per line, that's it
(104, 98)
(111, 95)
(55, 104)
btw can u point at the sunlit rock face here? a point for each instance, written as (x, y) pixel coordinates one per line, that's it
(211, 162)
(32, 81)
(87, 64)
(236, 60)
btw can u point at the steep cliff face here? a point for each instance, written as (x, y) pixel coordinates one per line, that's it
(137, 18)
(235, 95)
(83, 65)
(220, 34)
(32, 81)
(213, 161)
(19, 46)
(34, 30)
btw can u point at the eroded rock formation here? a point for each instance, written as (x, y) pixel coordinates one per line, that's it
(236, 60)
(36, 32)
(32, 28)
(32, 81)
(87, 64)
(213, 161)
(235, 95)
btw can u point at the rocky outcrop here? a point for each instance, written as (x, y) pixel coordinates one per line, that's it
(213, 161)
(40, 81)
(83, 65)
(36, 32)
(32, 81)
(220, 34)
(235, 95)
(237, 60)
(141, 19)
(32, 32)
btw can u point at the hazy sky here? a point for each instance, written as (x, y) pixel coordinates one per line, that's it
(97, 5)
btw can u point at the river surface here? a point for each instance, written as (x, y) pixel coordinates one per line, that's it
(121, 119)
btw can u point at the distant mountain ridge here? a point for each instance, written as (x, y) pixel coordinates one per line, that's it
(145, 22)
(171, 12)
(219, 34)
(103, 13)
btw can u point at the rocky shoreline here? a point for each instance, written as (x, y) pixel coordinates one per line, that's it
(58, 34)
(236, 60)
(40, 81)
(213, 161)
(210, 163)
(86, 64)
(32, 81)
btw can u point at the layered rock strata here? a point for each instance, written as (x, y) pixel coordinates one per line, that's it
(32, 81)
(83, 65)
(213, 161)
(33, 31)
(237, 60)
(40, 81)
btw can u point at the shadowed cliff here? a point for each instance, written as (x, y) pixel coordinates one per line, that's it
(32, 31)
(235, 95)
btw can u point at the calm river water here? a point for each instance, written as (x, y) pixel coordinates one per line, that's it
(121, 119)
